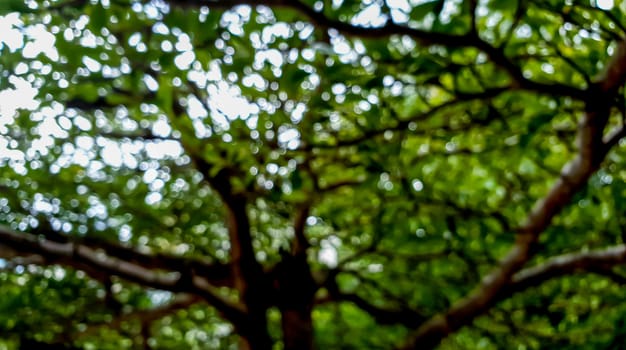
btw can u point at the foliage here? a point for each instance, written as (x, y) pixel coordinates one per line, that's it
(312, 174)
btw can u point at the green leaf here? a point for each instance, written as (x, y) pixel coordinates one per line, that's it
(190, 189)
(422, 10)
(534, 126)
(8, 6)
(503, 5)
(295, 178)
(98, 17)
(165, 94)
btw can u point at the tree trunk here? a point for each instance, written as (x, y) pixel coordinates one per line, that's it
(297, 326)
(255, 336)
(295, 289)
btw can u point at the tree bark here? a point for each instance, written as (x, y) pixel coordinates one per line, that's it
(295, 297)
(254, 335)
(297, 325)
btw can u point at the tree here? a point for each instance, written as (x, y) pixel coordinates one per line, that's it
(304, 174)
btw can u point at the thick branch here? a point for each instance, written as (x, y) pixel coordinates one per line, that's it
(405, 316)
(83, 257)
(247, 272)
(590, 261)
(244, 266)
(249, 277)
(216, 273)
(385, 316)
(180, 302)
(300, 244)
(574, 176)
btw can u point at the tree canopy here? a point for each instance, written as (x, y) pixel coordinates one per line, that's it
(298, 174)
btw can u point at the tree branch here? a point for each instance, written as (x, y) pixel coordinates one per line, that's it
(404, 123)
(574, 176)
(245, 267)
(597, 261)
(300, 244)
(424, 37)
(405, 316)
(180, 301)
(319, 19)
(216, 273)
(96, 261)
(249, 278)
